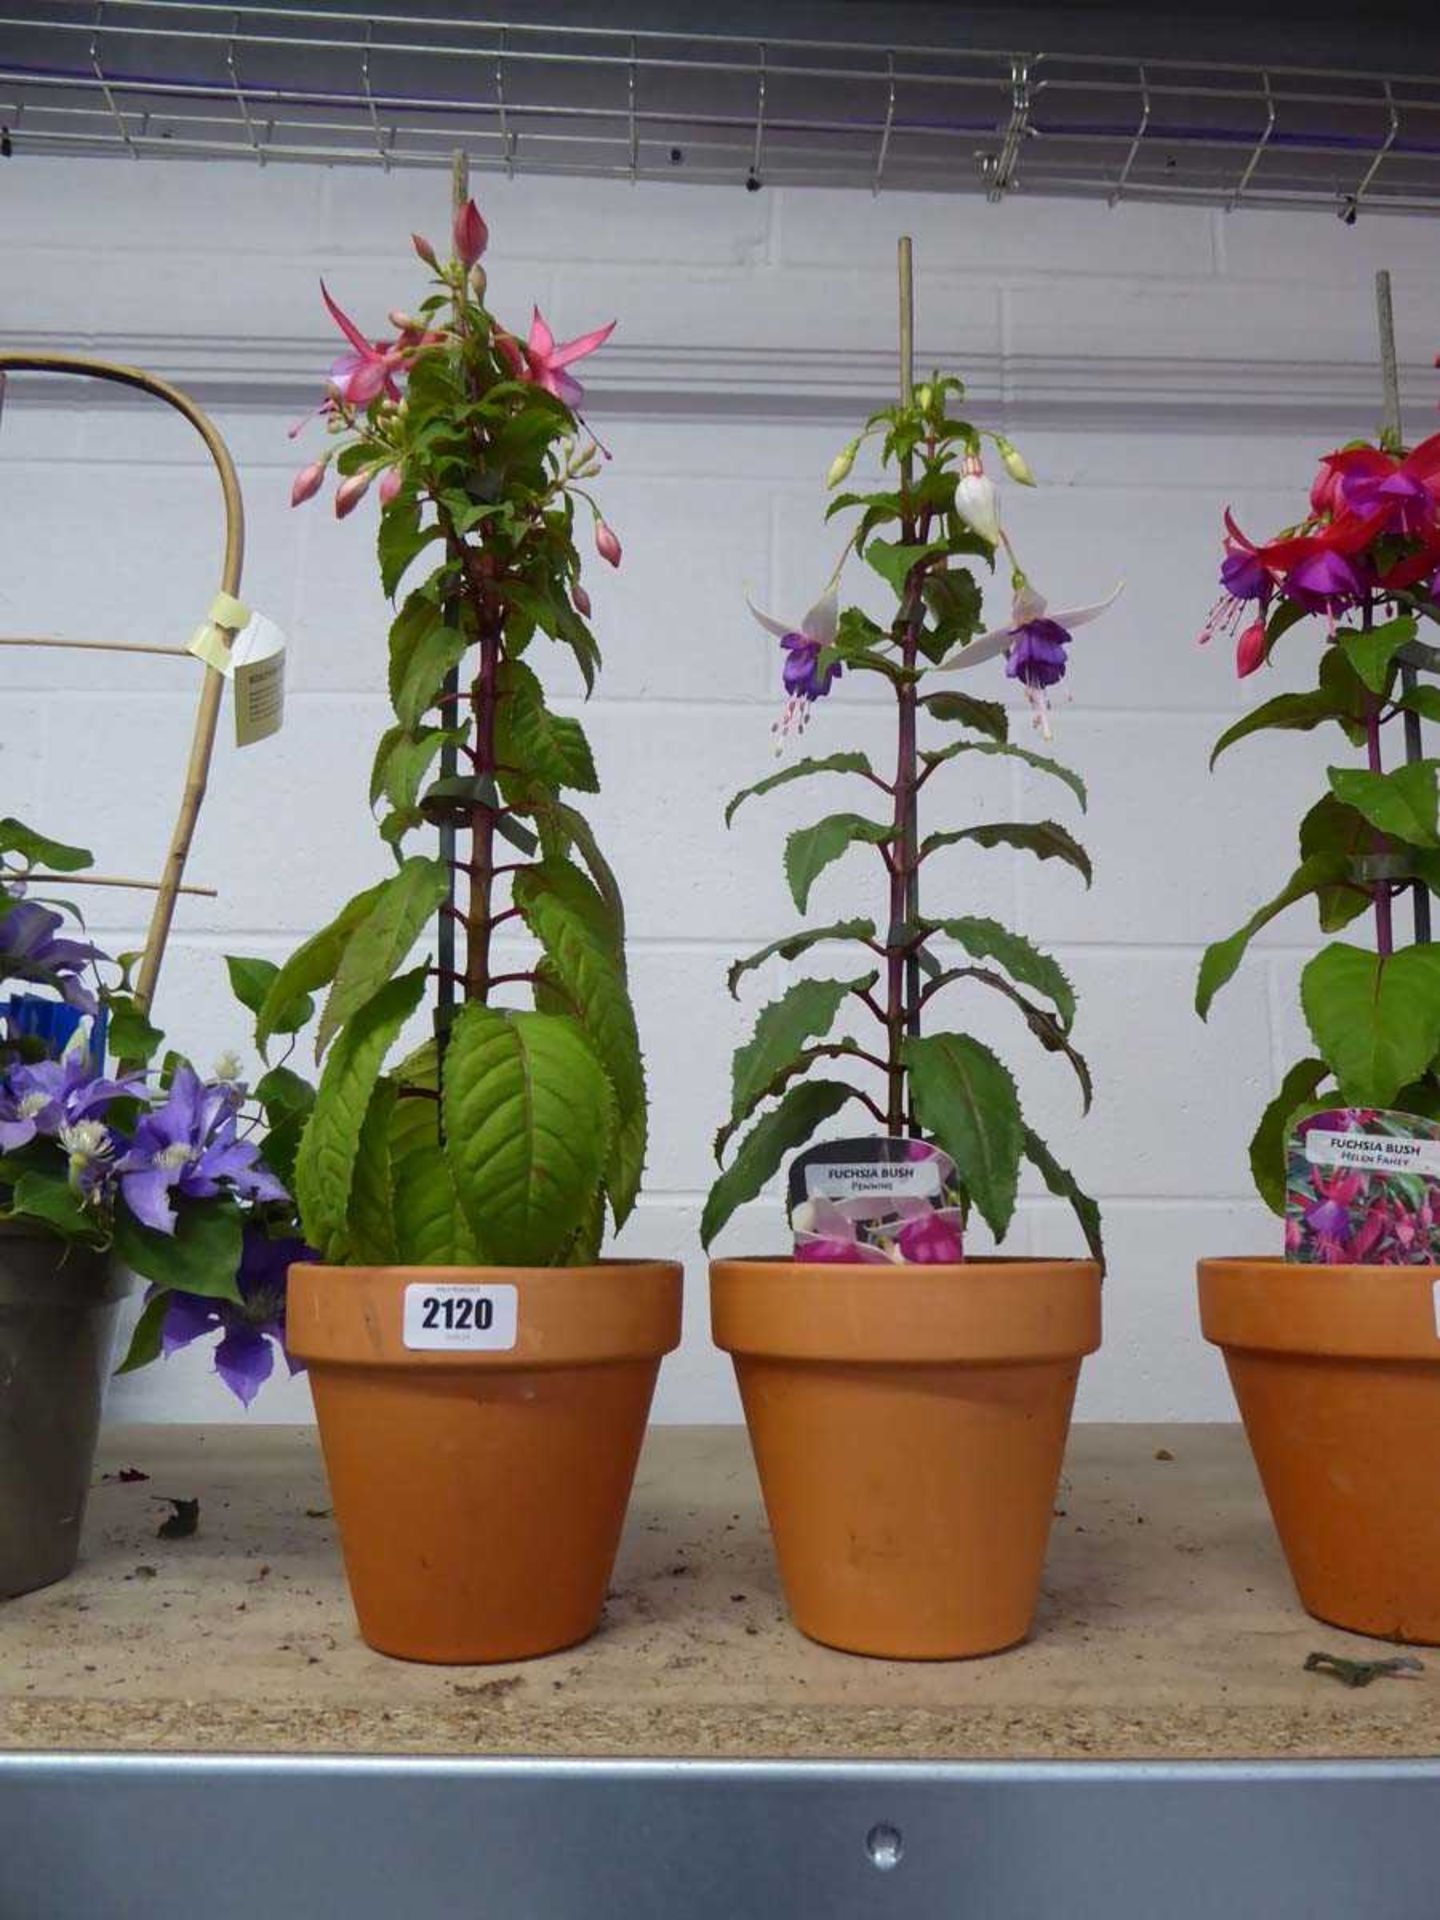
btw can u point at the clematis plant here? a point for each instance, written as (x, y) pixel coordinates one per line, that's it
(920, 532)
(507, 1133)
(179, 1177)
(1362, 568)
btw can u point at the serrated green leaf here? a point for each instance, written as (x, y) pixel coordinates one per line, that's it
(794, 944)
(801, 770)
(574, 926)
(1044, 838)
(1403, 804)
(1043, 1024)
(401, 539)
(370, 1221)
(430, 1228)
(966, 1101)
(529, 1112)
(325, 1164)
(37, 849)
(809, 850)
(981, 716)
(1374, 1018)
(1372, 654)
(381, 942)
(806, 1012)
(1330, 827)
(424, 646)
(402, 761)
(1222, 958)
(201, 1256)
(313, 965)
(774, 1134)
(988, 940)
(1042, 763)
(1064, 1186)
(1270, 1140)
(792, 1069)
(548, 746)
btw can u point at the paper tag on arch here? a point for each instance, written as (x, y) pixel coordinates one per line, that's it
(257, 667)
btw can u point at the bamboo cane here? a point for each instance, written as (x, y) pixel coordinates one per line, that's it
(202, 739)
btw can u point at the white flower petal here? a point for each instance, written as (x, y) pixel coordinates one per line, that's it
(1029, 605)
(983, 647)
(777, 627)
(1077, 616)
(823, 618)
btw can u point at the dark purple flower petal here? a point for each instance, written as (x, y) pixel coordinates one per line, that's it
(1244, 577)
(1324, 582)
(244, 1360)
(1036, 654)
(188, 1316)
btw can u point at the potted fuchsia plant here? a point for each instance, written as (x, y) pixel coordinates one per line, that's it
(481, 1377)
(1334, 1354)
(907, 1404)
(104, 1175)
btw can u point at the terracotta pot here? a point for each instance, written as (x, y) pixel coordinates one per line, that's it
(480, 1494)
(1337, 1372)
(908, 1425)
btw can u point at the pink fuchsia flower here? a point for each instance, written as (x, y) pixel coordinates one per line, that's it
(1243, 578)
(350, 493)
(607, 543)
(541, 360)
(471, 235)
(369, 369)
(1033, 643)
(390, 482)
(930, 1241)
(805, 680)
(1403, 491)
(307, 483)
(423, 247)
(1250, 649)
(1326, 582)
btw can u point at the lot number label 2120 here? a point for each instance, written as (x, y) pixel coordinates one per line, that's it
(441, 1315)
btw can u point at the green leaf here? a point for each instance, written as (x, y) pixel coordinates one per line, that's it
(805, 1012)
(132, 1037)
(895, 562)
(402, 761)
(1424, 700)
(1271, 1138)
(1043, 1024)
(1042, 763)
(50, 1197)
(1330, 827)
(201, 1256)
(528, 1113)
(424, 646)
(146, 1338)
(1065, 1187)
(965, 1099)
(1044, 838)
(801, 770)
(1297, 712)
(1374, 1018)
(1403, 803)
(546, 745)
(381, 942)
(400, 539)
(1373, 654)
(567, 915)
(981, 716)
(794, 944)
(325, 1164)
(1222, 958)
(774, 1134)
(430, 1229)
(370, 1236)
(988, 940)
(36, 850)
(314, 964)
(809, 850)
(286, 1100)
(251, 980)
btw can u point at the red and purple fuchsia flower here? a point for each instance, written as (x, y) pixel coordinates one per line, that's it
(1373, 528)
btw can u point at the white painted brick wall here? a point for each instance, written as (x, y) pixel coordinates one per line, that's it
(109, 527)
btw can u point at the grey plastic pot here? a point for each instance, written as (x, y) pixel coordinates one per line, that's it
(58, 1307)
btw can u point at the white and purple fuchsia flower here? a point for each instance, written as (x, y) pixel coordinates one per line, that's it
(188, 1148)
(1034, 644)
(806, 680)
(253, 1326)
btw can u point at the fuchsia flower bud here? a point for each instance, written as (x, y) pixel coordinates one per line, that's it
(581, 600)
(389, 485)
(471, 234)
(307, 483)
(606, 543)
(350, 493)
(1250, 649)
(423, 247)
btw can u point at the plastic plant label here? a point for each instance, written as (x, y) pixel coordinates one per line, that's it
(257, 664)
(1362, 1186)
(446, 1316)
(877, 1201)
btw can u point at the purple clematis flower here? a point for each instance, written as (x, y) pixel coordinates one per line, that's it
(1033, 643)
(805, 680)
(245, 1357)
(29, 950)
(189, 1147)
(51, 1095)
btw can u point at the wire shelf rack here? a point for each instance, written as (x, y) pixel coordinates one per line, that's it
(147, 78)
